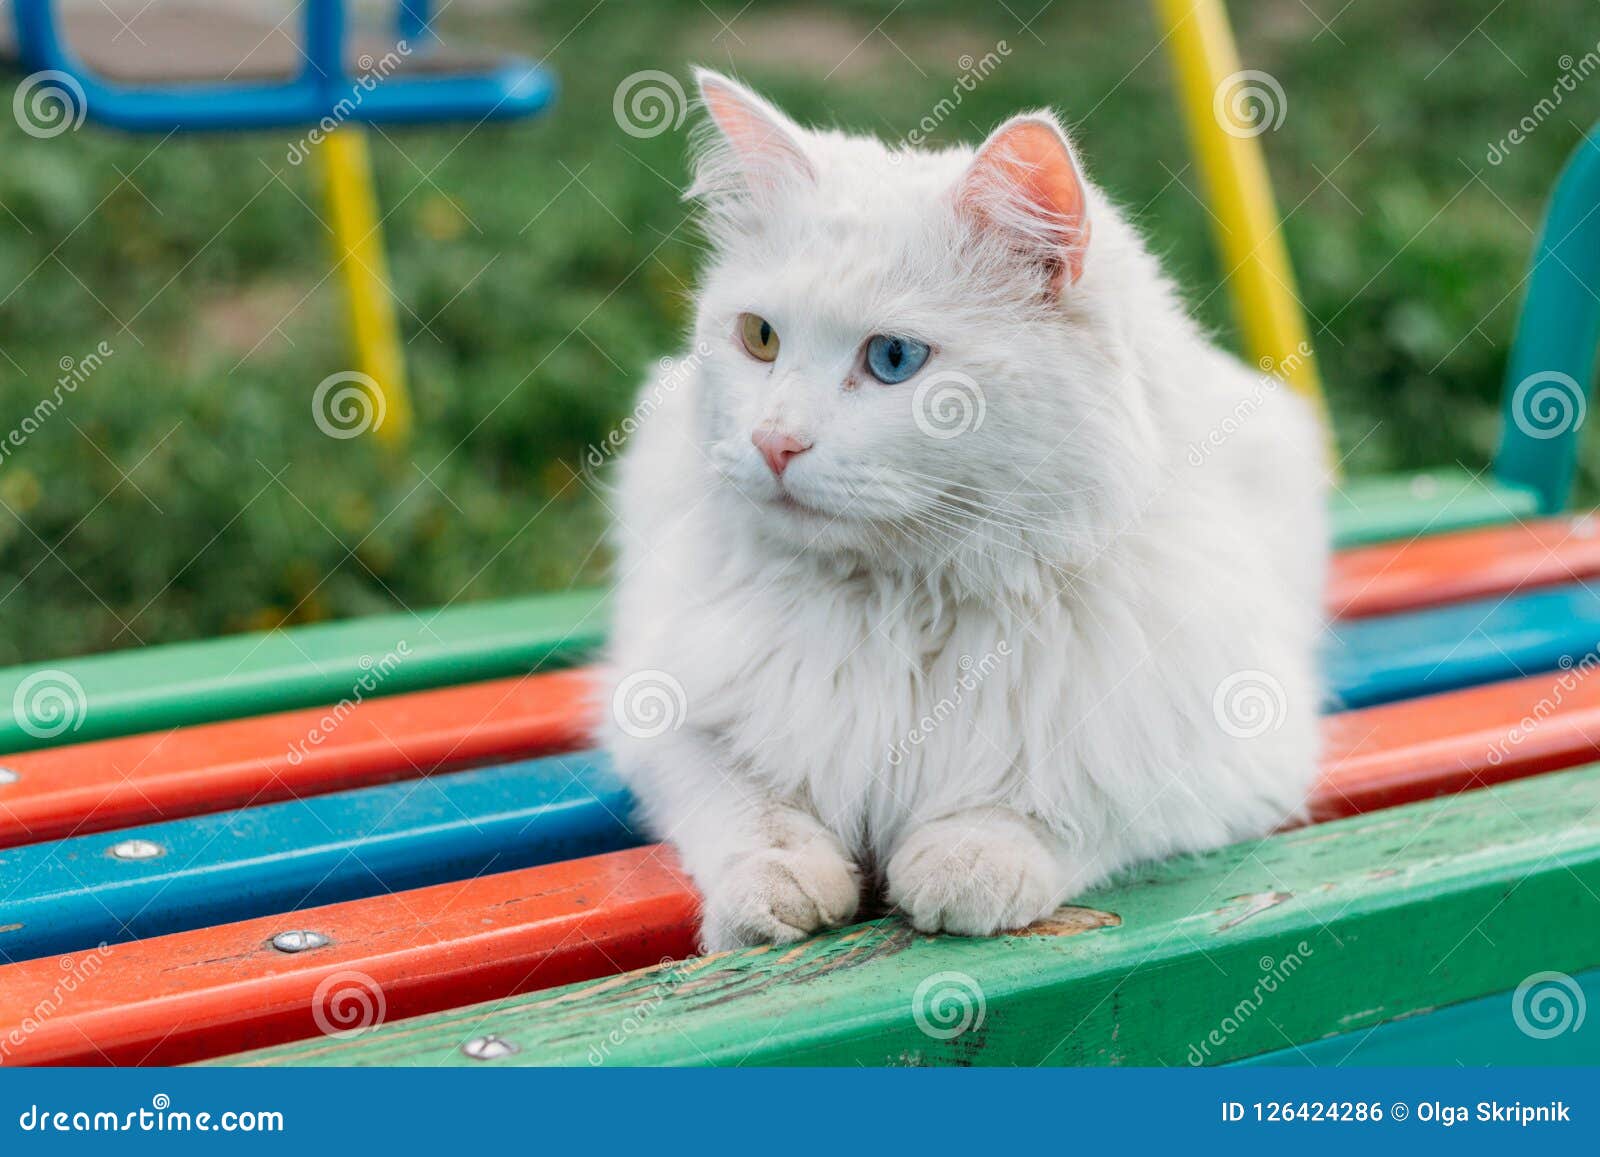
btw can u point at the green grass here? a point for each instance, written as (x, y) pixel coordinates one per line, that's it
(183, 490)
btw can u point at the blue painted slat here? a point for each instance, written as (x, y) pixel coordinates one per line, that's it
(72, 894)
(1541, 1025)
(1421, 652)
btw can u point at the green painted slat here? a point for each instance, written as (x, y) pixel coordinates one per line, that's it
(146, 689)
(1391, 506)
(1487, 1031)
(1203, 959)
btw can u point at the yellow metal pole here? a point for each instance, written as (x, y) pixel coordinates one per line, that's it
(352, 204)
(1233, 172)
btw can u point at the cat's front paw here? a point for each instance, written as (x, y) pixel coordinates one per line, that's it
(974, 874)
(779, 894)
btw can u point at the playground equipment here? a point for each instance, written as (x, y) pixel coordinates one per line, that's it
(213, 71)
(389, 828)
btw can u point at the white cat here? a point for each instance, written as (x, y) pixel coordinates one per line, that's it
(956, 560)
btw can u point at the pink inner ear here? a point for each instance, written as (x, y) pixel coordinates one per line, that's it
(1030, 161)
(764, 145)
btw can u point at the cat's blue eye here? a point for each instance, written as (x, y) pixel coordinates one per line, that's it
(894, 359)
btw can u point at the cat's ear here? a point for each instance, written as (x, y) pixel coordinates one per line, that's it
(1025, 181)
(753, 147)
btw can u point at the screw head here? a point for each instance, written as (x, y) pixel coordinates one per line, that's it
(137, 850)
(1585, 526)
(8, 776)
(299, 940)
(489, 1048)
(1424, 486)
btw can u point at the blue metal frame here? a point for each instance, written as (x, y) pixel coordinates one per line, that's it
(324, 90)
(1558, 333)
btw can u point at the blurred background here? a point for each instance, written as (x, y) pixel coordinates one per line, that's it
(183, 489)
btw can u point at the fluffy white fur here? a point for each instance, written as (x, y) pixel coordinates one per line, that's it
(980, 673)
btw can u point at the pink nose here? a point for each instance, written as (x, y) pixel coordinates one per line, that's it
(777, 447)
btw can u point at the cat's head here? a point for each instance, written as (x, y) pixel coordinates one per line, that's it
(913, 354)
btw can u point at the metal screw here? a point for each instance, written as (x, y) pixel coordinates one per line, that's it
(299, 940)
(137, 850)
(1584, 526)
(489, 1048)
(8, 776)
(1424, 486)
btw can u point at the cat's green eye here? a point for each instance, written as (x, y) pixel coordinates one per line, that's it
(760, 339)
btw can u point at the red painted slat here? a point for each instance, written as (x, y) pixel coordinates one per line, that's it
(183, 997)
(221, 990)
(137, 779)
(1457, 741)
(1468, 564)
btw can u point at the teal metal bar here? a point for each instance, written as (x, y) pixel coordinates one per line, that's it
(1551, 370)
